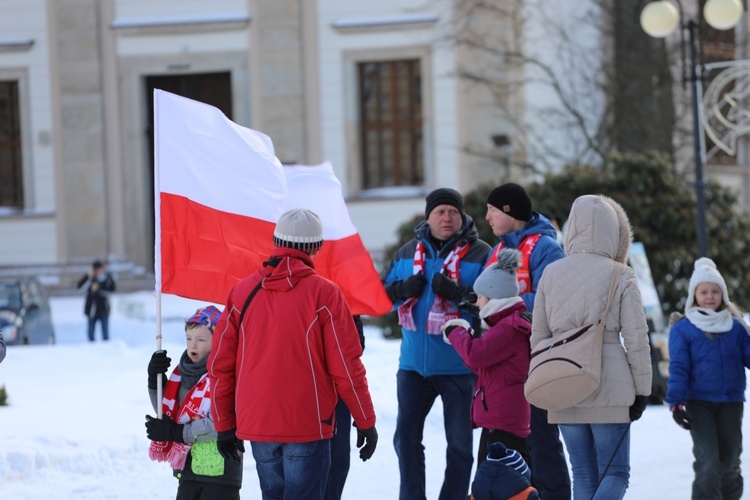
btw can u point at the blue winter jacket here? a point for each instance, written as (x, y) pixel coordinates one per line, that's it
(546, 251)
(420, 352)
(706, 369)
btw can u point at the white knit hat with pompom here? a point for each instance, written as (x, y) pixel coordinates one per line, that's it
(705, 272)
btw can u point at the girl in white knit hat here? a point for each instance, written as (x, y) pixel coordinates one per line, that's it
(709, 350)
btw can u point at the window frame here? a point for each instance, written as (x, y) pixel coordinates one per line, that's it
(21, 76)
(401, 120)
(355, 165)
(16, 197)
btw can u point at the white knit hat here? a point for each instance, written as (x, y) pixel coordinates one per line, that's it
(300, 229)
(705, 272)
(499, 280)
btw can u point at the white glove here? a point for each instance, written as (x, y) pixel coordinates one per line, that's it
(455, 322)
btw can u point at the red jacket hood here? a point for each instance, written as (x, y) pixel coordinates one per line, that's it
(293, 265)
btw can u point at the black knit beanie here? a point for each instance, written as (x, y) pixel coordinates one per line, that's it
(444, 196)
(512, 199)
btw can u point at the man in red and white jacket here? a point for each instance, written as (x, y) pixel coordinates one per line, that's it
(285, 349)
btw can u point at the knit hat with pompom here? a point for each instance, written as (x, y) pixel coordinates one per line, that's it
(705, 272)
(499, 280)
(511, 458)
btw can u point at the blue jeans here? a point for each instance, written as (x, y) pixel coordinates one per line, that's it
(292, 471)
(104, 321)
(549, 469)
(416, 395)
(717, 446)
(340, 453)
(591, 447)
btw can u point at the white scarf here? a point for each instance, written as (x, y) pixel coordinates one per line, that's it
(496, 305)
(709, 320)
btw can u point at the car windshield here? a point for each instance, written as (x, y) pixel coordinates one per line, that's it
(10, 296)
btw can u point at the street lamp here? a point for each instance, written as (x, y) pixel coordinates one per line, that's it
(659, 19)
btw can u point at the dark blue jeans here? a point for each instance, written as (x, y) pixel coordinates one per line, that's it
(340, 453)
(104, 321)
(292, 470)
(592, 449)
(416, 395)
(549, 470)
(717, 446)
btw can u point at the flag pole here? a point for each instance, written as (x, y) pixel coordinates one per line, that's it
(160, 379)
(157, 244)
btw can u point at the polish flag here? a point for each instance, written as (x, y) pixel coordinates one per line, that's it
(219, 190)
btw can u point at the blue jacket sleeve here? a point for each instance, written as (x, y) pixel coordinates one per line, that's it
(679, 364)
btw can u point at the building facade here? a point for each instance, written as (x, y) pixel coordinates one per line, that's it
(375, 87)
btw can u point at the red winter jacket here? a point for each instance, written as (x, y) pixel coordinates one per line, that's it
(500, 359)
(296, 352)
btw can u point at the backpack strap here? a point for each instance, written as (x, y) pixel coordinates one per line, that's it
(616, 272)
(273, 262)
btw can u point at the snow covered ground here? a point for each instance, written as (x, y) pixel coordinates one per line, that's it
(74, 424)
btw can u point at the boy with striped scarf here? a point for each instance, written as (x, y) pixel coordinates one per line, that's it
(185, 435)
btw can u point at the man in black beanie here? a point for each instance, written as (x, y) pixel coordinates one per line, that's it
(511, 218)
(427, 279)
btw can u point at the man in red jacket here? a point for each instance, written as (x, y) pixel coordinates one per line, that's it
(285, 349)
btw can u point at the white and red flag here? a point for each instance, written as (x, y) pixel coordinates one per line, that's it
(219, 190)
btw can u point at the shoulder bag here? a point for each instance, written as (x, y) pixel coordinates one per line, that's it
(566, 368)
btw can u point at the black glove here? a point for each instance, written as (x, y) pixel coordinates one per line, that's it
(406, 289)
(368, 438)
(638, 407)
(469, 306)
(360, 330)
(159, 364)
(449, 289)
(680, 416)
(449, 329)
(164, 429)
(229, 446)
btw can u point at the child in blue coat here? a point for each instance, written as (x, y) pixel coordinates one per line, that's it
(709, 350)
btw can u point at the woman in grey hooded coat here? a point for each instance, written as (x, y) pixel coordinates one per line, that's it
(573, 292)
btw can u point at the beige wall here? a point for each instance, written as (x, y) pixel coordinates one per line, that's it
(293, 77)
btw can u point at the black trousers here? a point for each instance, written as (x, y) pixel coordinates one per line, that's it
(717, 445)
(199, 490)
(509, 439)
(549, 469)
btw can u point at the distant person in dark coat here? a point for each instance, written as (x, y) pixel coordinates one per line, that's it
(98, 285)
(2, 347)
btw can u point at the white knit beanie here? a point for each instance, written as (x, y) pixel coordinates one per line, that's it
(300, 229)
(705, 272)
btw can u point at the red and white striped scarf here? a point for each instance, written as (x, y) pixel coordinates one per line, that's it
(196, 405)
(442, 309)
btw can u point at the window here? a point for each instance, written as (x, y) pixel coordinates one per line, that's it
(391, 123)
(11, 173)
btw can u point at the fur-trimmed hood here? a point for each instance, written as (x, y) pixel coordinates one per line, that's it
(599, 225)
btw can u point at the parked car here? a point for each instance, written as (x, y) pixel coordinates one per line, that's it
(25, 316)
